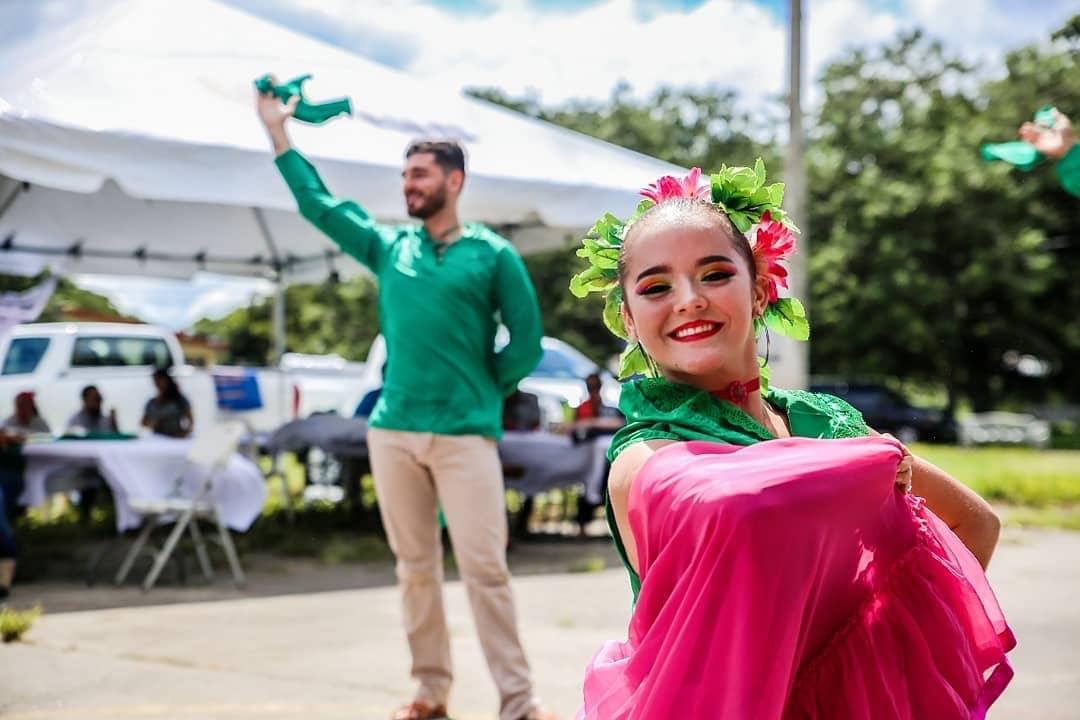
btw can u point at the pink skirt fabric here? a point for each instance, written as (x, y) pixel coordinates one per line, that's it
(791, 579)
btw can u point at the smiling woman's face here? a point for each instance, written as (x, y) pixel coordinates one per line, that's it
(690, 298)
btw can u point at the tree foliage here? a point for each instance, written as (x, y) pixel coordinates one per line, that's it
(328, 317)
(67, 296)
(928, 264)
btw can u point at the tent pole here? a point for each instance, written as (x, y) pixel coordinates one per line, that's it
(278, 320)
(795, 355)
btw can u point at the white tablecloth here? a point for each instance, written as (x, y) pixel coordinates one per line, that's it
(146, 468)
(551, 461)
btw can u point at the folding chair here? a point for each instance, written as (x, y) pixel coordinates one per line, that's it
(210, 453)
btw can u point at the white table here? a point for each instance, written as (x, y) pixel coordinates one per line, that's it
(145, 468)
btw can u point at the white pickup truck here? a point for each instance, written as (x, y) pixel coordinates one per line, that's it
(57, 360)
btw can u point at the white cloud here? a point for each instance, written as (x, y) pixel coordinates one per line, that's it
(176, 304)
(584, 53)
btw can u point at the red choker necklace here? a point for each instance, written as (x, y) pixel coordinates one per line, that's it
(737, 392)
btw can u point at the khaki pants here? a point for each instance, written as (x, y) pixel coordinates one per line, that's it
(414, 473)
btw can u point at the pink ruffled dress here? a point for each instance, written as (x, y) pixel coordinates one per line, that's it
(791, 579)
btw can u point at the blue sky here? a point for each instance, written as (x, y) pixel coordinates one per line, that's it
(561, 49)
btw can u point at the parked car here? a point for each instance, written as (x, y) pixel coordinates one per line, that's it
(888, 412)
(561, 373)
(1004, 428)
(57, 360)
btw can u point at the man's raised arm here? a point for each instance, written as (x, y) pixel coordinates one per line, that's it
(343, 221)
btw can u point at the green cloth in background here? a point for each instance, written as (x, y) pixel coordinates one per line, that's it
(1068, 171)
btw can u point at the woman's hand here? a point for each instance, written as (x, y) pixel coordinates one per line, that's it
(904, 468)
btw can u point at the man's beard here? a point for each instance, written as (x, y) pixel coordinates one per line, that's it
(431, 205)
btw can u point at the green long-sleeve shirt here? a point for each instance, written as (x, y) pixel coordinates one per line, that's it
(1068, 170)
(438, 311)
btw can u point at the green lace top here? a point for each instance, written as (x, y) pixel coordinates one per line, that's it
(656, 409)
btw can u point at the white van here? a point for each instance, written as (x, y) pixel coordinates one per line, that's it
(57, 360)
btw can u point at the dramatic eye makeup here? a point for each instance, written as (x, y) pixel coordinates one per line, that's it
(716, 269)
(651, 287)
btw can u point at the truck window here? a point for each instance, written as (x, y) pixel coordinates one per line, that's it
(120, 352)
(24, 354)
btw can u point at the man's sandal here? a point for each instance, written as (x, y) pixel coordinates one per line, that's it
(420, 710)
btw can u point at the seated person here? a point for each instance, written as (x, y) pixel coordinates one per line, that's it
(90, 418)
(26, 420)
(91, 421)
(521, 412)
(169, 412)
(592, 418)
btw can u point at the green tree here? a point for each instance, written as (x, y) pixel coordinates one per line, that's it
(67, 297)
(322, 318)
(928, 264)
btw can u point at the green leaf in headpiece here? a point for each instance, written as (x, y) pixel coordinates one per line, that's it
(787, 316)
(640, 209)
(591, 279)
(608, 229)
(744, 181)
(633, 362)
(759, 171)
(599, 253)
(764, 372)
(776, 194)
(742, 220)
(613, 312)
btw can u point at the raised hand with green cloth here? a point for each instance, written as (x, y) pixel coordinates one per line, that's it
(1049, 136)
(303, 109)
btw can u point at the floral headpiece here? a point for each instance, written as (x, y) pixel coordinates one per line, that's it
(752, 206)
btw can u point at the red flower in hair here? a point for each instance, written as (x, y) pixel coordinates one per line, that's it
(771, 243)
(669, 187)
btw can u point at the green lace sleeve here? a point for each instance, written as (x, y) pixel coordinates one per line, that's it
(846, 420)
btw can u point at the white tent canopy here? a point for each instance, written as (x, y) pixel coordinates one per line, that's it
(129, 144)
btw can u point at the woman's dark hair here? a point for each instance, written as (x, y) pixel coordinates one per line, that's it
(691, 207)
(172, 390)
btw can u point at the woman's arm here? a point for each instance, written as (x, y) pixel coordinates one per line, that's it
(623, 471)
(959, 507)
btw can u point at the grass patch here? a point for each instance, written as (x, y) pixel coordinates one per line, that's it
(1014, 476)
(14, 623)
(588, 565)
(1062, 518)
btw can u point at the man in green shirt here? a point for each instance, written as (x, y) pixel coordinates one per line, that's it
(444, 288)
